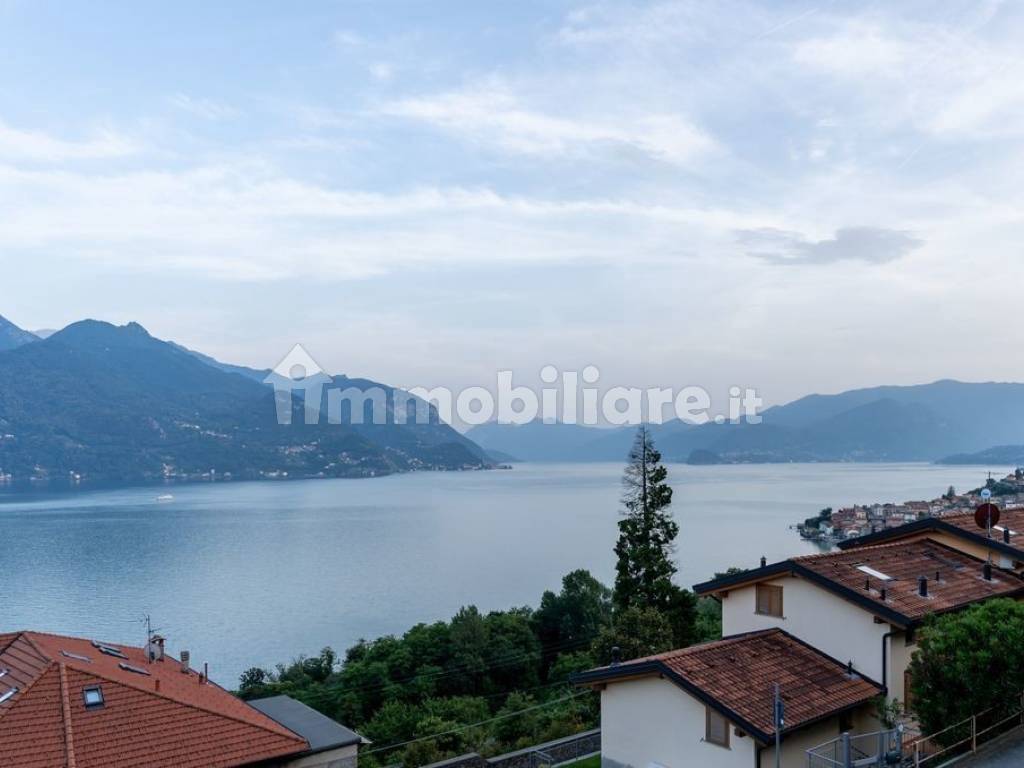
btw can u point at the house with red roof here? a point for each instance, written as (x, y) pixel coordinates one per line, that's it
(833, 631)
(68, 702)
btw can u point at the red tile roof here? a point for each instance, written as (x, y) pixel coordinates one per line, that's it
(960, 580)
(954, 578)
(737, 675)
(166, 719)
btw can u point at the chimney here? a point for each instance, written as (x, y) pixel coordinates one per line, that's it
(882, 594)
(936, 577)
(986, 571)
(849, 668)
(922, 586)
(764, 561)
(867, 584)
(155, 648)
(616, 656)
(206, 672)
(185, 658)
(1006, 535)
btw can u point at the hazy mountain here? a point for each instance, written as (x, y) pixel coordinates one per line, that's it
(115, 404)
(249, 373)
(11, 336)
(1004, 455)
(44, 333)
(911, 423)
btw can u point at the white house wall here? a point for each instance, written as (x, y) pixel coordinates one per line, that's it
(820, 618)
(650, 722)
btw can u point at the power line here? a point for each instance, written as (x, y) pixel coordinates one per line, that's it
(495, 719)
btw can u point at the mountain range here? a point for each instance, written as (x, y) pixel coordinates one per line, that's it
(100, 403)
(927, 422)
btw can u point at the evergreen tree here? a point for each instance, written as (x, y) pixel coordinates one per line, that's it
(647, 534)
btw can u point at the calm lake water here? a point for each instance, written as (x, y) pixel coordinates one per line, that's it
(256, 573)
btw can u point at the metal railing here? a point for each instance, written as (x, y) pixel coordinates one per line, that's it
(898, 747)
(858, 750)
(963, 737)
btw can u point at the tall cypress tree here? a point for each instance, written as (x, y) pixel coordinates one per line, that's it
(647, 532)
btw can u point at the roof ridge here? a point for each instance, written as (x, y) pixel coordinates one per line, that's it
(871, 548)
(723, 641)
(21, 692)
(65, 709)
(48, 664)
(192, 705)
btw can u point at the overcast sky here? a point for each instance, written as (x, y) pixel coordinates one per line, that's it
(796, 197)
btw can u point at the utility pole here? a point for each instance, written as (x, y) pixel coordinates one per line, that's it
(779, 717)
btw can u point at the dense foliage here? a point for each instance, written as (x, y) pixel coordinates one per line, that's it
(969, 662)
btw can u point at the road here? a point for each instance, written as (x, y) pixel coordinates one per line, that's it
(1005, 754)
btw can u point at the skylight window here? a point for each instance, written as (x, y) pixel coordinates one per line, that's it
(5, 696)
(76, 656)
(1001, 529)
(873, 572)
(92, 696)
(109, 650)
(136, 670)
(3, 672)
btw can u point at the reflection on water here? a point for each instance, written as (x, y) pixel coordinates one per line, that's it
(255, 573)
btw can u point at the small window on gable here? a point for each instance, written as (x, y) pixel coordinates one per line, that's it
(92, 696)
(769, 600)
(717, 731)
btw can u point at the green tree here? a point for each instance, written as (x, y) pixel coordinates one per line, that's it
(571, 619)
(647, 534)
(969, 662)
(636, 632)
(646, 531)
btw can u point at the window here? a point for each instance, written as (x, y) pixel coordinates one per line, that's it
(10, 694)
(769, 600)
(109, 650)
(92, 696)
(717, 730)
(136, 670)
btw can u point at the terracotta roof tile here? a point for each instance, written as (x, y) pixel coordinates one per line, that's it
(163, 719)
(954, 578)
(738, 675)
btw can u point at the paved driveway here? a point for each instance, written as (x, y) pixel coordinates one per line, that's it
(1005, 754)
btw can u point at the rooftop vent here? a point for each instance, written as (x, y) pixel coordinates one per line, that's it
(922, 586)
(92, 696)
(764, 561)
(76, 656)
(986, 571)
(185, 658)
(5, 696)
(136, 670)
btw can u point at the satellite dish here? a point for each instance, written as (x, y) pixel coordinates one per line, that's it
(986, 515)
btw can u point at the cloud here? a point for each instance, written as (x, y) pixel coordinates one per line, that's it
(492, 115)
(18, 145)
(872, 245)
(205, 108)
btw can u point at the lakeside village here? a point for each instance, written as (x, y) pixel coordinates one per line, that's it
(832, 526)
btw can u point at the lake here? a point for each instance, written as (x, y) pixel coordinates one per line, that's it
(245, 574)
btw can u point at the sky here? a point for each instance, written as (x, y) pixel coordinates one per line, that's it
(793, 196)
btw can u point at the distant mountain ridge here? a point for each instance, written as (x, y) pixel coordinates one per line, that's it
(890, 423)
(12, 337)
(115, 405)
